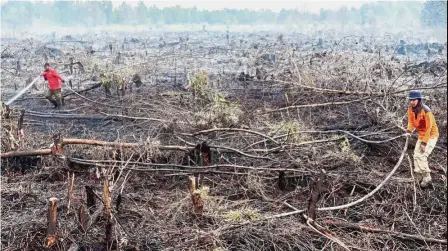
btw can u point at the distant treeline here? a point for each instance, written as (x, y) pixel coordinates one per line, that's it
(22, 14)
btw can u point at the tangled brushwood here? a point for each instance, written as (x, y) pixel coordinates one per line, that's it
(222, 146)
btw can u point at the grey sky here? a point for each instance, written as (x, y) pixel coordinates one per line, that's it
(302, 5)
(311, 6)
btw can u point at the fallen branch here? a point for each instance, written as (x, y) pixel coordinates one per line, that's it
(67, 116)
(93, 101)
(334, 91)
(181, 168)
(96, 85)
(133, 118)
(26, 153)
(236, 130)
(325, 90)
(393, 233)
(69, 141)
(317, 105)
(370, 141)
(324, 232)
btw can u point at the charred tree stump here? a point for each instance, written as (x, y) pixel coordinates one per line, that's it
(71, 72)
(118, 203)
(198, 203)
(192, 184)
(123, 87)
(315, 196)
(6, 111)
(137, 80)
(82, 218)
(20, 121)
(205, 154)
(51, 222)
(199, 156)
(70, 186)
(56, 148)
(117, 59)
(81, 67)
(108, 214)
(90, 199)
(281, 181)
(107, 90)
(18, 68)
(19, 132)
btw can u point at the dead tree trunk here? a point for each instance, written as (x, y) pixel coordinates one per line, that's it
(18, 69)
(6, 111)
(19, 132)
(52, 222)
(68, 141)
(118, 203)
(198, 203)
(378, 230)
(71, 72)
(281, 181)
(82, 218)
(90, 199)
(315, 195)
(123, 87)
(70, 186)
(108, 215)
(56, 148)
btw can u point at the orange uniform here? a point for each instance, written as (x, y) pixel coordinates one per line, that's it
(424, 122)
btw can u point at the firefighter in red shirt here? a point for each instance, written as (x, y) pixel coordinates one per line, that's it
(54, 85)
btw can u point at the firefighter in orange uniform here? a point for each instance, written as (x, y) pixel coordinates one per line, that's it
(421, 118)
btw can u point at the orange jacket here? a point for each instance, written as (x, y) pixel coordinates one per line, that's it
(424, 122)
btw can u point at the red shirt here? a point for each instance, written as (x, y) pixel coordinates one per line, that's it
(53, 79)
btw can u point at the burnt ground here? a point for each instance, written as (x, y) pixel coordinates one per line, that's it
(267, 105)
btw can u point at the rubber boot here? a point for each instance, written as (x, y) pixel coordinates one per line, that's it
(54, 103)
(426, 180)
(58, 104)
